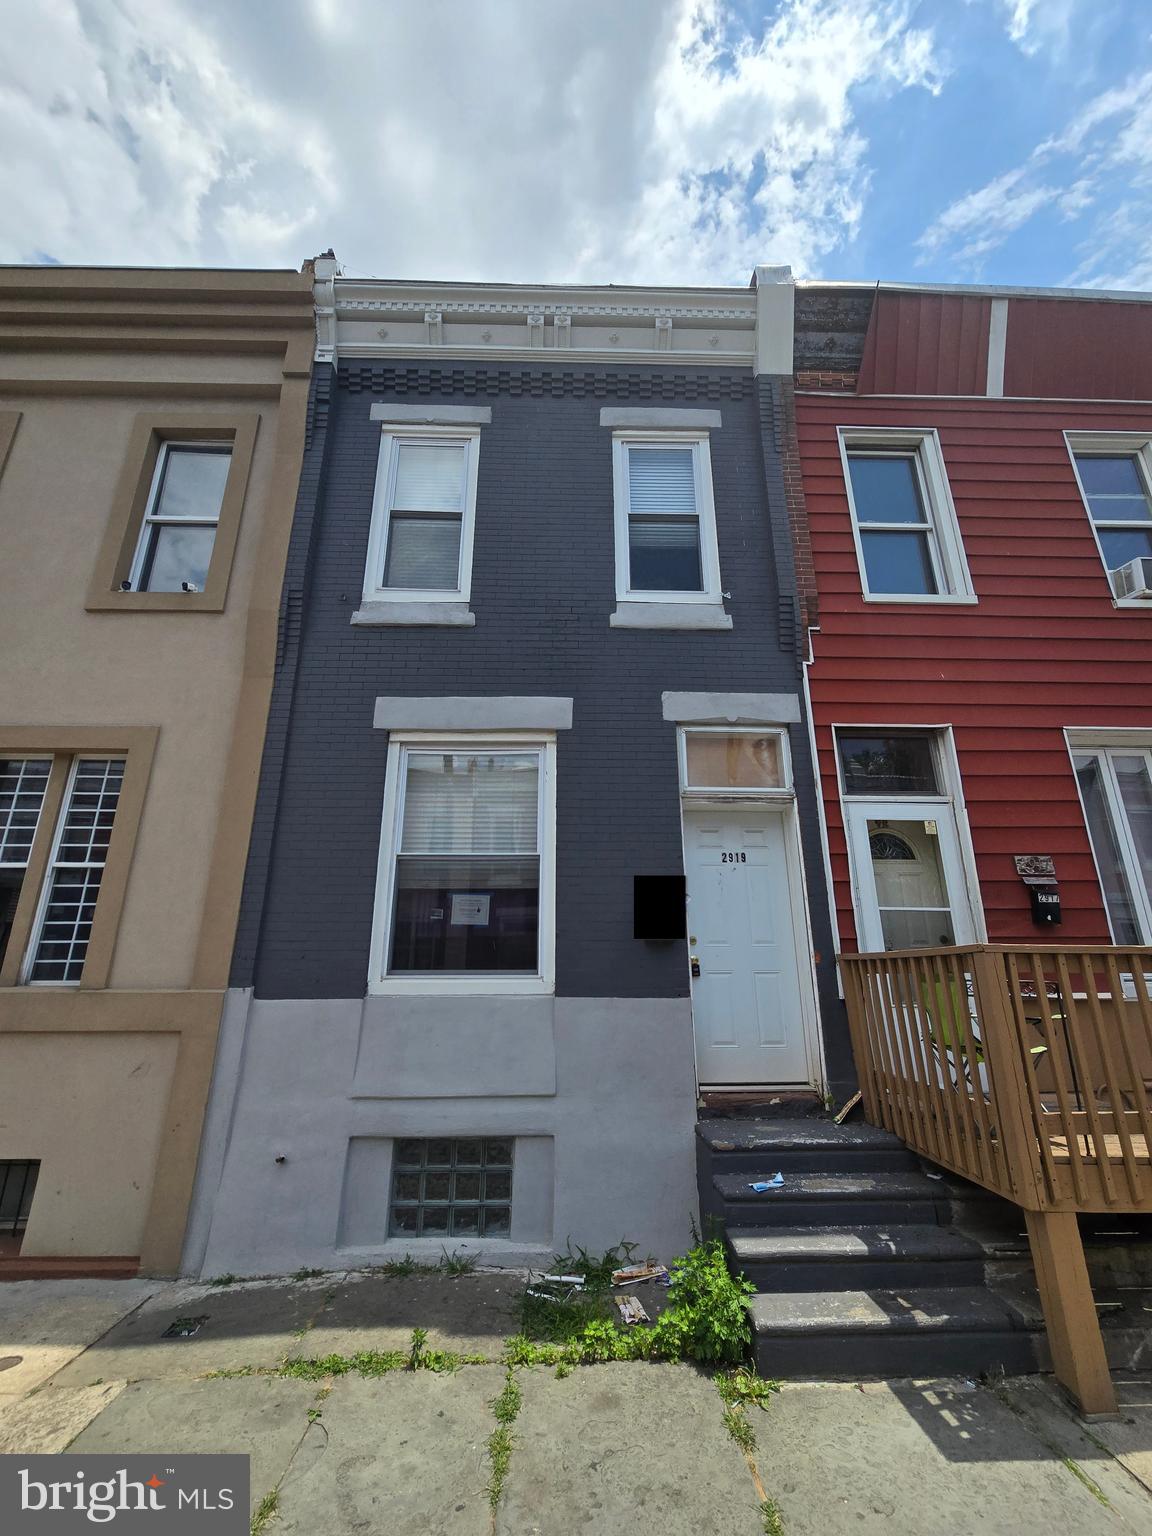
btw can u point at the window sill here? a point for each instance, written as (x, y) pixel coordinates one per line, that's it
(461, 986)
(389, 613)
(208, 601)
(939, 599)
(670, 616)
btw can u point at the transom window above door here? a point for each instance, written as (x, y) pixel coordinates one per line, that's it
(887, 765)
(907, 536)
(722, 762)
(423, 515)
(665, 520)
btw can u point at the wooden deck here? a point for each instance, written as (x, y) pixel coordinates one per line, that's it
(1028, 1072)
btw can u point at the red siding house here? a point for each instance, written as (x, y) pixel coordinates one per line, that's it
(973, 515)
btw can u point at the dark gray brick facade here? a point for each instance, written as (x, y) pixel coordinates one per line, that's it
(542, 591)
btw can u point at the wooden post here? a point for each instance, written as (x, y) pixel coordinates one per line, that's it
(1069, 1314)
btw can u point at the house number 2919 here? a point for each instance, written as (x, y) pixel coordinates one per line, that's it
(733, 858)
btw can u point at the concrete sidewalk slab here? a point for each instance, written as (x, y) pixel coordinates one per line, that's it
(918, 1459)
(261, 1417)
(1116, 1456)
(46, 1323)
(404, 1453)
(253, 1324)
(471, 1314)
(46, 1422)
(617, 1449)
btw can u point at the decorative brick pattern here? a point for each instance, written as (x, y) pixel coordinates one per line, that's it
(822, 379)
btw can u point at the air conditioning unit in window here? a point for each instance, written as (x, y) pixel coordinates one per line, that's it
(1134, 579)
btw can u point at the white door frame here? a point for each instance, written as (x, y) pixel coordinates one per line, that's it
(782, 804)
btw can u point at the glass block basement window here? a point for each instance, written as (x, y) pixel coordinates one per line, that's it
(452, 1188)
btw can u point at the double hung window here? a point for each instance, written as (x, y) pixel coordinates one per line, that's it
(420, 547)
(665, 519)
(1115, 479)
(178, 533)
(465, 895)
(904, 523)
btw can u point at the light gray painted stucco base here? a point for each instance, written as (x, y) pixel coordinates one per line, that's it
(600, 1094)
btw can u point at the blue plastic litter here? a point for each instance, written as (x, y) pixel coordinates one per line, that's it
(775, 1182)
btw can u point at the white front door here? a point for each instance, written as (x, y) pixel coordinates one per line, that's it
(750, 993)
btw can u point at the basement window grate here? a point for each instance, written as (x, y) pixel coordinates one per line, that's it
(444, 1187)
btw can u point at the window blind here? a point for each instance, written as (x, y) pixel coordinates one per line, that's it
(466, 803)
(430, 477)
(662, 480)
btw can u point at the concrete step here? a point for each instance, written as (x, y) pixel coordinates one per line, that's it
(833, 1200)
(934, 1331)
(854, 1258)
(816, 1146)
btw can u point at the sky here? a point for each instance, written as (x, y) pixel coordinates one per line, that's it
(593, 141)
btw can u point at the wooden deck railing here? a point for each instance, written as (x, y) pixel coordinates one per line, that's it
(1028, 1071)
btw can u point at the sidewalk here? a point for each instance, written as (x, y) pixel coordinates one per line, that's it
(627, 1449)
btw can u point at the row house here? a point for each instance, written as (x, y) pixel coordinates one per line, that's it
(539, 698)
(151, 431)
(971, 498)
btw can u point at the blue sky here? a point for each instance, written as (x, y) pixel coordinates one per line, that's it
(585, 140)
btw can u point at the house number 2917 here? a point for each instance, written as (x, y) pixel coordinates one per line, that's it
(733, 858)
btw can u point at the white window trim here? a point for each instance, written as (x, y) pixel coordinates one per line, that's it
(32, 949)
(945, 544)
(150, 519)
(392, 435)
(705, 513)
(696, 793)
(949, 800)
(481, 983)
(1082, 741)
(1137, 443)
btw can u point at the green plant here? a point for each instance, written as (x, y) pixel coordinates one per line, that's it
(740, 1429)
(397, 1268)
(706, 1317)
(564, 1368)
(742, 1388)
(596, 1269)
(772, 1518)
(307, 1274)
(416, 1351)
(505, 1407)
(266, 1512)
(457, 1263)
(222, 1280)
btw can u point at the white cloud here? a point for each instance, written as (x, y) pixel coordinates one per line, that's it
(1038, 24)
(662, 140)
(1094, 174)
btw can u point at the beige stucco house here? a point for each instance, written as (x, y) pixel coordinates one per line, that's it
(151, 432)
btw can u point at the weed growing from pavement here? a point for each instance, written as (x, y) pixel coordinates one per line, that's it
(740, 1430)
(378, 1362)
(742, 1388)
(266, 1511)
(308, 1274)
(455, 1263)
(506, 1407)
(219, 1281)
(772, 1518)
(705, 1318)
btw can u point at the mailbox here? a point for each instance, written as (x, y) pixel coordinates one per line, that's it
(658, 913)
(1038, 872)
(1045, 905)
